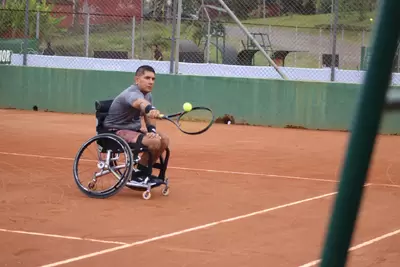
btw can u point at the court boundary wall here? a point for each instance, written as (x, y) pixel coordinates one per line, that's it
(265, 102)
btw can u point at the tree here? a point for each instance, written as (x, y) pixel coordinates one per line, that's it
(324, 6)
(12, 18)
(242, 8)
(361, 7)
(292, 6)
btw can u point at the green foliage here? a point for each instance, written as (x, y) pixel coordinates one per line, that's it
(189, 7)
(242, 9)
(12, 17)
(361, 7)
(158, 38)
(199, 29)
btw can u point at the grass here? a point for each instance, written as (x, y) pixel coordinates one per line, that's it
(347, 20)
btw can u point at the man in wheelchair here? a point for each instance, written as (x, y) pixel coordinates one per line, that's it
(133, 117)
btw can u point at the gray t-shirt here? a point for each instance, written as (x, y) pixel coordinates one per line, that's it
(121, 114)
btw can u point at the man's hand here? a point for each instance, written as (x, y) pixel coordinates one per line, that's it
(153, 114)
(152, 135)
(143, 129)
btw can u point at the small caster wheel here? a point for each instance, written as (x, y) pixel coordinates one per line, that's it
(165, 191)
(92, 185)
(146, 195)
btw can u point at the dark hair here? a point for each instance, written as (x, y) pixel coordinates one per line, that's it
(140, 71)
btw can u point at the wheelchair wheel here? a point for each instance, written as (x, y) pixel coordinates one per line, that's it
(105, 159)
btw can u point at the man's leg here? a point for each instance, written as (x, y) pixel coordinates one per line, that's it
(153, 144)
(157, 150)
(164, 143)
(128, 135)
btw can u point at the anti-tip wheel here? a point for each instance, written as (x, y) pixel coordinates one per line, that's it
(146, 195)
(165, 191)
(92, 185)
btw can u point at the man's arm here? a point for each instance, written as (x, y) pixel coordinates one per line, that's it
(149, 122)
(145, 122)
(143, 127)
(141, 104)
(150, 113)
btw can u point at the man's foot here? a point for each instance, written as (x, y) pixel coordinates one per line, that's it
(141, 177)
(141, 181)
(142, 168)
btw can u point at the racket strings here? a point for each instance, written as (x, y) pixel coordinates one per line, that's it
(195, 120)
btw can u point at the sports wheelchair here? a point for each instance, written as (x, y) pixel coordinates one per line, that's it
(111, 146)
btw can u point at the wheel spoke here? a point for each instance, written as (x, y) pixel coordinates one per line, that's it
(115, 173)
(112, 148)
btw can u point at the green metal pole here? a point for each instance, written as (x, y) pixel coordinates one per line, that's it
(364, 130)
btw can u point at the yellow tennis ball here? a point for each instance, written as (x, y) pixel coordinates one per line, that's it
(187, 107)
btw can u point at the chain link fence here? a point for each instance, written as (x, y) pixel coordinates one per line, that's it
(297, 36)
(78, 28)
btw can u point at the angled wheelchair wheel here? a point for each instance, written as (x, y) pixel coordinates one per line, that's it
(103, 165)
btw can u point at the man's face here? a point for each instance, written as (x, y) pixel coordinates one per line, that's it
(145, 81)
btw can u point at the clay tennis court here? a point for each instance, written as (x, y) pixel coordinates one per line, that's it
(240, 196)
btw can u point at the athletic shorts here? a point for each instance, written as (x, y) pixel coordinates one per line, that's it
(129, 136)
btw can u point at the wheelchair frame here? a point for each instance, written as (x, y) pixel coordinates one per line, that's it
(112, 150)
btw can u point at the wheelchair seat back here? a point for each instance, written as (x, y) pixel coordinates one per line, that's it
(102, 107)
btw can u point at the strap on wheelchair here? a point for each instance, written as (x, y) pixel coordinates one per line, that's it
(138, 143)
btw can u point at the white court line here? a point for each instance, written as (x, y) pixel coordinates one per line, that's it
(35, 156)
(204, 226)
(207, 170)
(256, 174)
(187, 169)
(387, 185)
(369, 242)
(62, 236)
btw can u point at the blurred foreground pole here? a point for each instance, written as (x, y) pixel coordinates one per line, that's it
(365, 127)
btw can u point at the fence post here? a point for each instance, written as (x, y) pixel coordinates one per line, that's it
(26, 33)
(86, 25)
(141, 29)
(172, 57)
(133, 37)
(37, 24)
(178, 36)
(335, 11)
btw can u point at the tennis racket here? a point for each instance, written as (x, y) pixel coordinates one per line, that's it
(196, 121)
